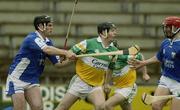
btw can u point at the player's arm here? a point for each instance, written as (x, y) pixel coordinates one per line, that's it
(137, 63)
(145, 75)
(50, 50)
(150, 61)
(157, 58)
(76, 49)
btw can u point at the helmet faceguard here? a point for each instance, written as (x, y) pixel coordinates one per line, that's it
(171, 26)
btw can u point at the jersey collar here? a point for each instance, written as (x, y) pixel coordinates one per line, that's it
(39, 35)
(176, 39)
(100, 40)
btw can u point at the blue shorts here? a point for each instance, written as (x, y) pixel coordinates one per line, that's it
(14, 85)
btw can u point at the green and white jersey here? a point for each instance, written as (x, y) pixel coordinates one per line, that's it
(92, 69)
(123, 75)
(121, 63)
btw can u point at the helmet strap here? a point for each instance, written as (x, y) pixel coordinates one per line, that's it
(105, 34)
(174, 32)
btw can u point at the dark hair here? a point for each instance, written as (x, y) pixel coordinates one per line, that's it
(105, 26)
(41, 20)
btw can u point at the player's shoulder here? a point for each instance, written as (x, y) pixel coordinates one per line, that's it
(165, 41)
(177, 41)
(91, 40)
(31, 36)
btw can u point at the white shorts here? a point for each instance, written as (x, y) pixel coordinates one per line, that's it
(14, 85)
(81, 89)
(128, 92)
(171, 84)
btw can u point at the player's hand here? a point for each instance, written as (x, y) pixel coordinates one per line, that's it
(133, 50)
(62, 58)
(70, 55)
(135, 64)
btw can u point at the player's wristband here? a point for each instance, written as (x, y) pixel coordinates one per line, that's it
(126, 52)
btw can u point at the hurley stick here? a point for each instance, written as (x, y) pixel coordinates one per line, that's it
(149, 99)
(69, 26)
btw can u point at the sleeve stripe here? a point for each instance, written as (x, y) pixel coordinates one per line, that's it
(40, 43)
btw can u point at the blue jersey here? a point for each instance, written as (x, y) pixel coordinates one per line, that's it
(28, 64)
(169, 56)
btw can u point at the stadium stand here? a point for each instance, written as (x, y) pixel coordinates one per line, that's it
(138, 22)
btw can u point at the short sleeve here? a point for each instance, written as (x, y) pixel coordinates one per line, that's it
(80, 47)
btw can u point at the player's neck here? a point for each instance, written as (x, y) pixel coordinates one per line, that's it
(105, 42)
(42, 34)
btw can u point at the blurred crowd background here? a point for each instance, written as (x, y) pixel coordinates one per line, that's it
(138, 21)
